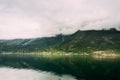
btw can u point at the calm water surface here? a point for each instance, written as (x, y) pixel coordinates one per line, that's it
(59, 68)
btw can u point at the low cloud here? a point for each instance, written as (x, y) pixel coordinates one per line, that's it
(39, 18)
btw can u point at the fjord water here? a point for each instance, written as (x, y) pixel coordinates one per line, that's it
(59, 68)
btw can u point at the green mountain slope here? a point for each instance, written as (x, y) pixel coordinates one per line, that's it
(81, 41)
(93, 40)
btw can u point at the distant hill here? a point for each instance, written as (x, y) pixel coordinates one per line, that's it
(80, 41)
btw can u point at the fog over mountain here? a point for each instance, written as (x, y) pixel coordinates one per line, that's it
(39, 18)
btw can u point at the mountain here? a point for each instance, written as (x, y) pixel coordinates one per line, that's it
(80, 41)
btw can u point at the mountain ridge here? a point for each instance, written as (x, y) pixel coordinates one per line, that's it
(80, 41)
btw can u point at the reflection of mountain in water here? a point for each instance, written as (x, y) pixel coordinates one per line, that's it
(81, 67)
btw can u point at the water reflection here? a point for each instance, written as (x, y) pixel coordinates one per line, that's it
(81, 67)
(28, 74)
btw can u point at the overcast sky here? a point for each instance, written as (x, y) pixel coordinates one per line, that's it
(39, 18)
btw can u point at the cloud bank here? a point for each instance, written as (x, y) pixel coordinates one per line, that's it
(39, 18)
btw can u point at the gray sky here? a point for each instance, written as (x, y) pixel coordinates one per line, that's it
(38, 18)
